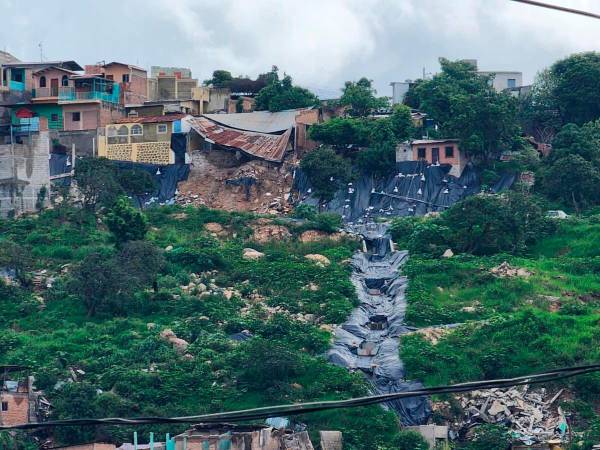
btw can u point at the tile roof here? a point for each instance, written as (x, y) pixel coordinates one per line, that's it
(265, 146)
(151, 119)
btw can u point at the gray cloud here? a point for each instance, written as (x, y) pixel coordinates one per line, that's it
(321, 43)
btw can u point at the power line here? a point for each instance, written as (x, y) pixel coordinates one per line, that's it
(304, 408)
(559, 8)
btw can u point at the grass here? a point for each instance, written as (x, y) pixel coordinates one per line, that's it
(130, 371)
(511, 326)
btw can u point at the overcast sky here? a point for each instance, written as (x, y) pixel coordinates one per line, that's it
(321, 43)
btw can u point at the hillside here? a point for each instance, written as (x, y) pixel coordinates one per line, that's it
(544, 317)
(116, 363)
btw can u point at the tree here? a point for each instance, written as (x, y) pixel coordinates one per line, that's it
(95, 282)
(410, 440)
(143, 261)
(575, 87)
(279, 95)
(97, 182)
(125, 222)
(341, 132)
(573, 180)
(489, 437)
(360, 97)
(401, 121)
(539, 110)
(466, 107)
(326, 171)
(574, 140)
(220, 79)
(136, 181)
(16, 257)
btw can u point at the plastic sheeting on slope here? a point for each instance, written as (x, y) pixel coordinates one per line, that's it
(368, 340)
(165, 177)
(415, 189)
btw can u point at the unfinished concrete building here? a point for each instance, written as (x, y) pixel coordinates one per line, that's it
(19, 402)
(24, 173)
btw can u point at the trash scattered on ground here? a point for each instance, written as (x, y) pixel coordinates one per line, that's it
(505, 270)
(533, 415)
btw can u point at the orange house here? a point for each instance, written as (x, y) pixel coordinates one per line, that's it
(437, 151)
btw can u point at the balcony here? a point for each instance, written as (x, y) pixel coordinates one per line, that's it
(105, 93)
(45, 92)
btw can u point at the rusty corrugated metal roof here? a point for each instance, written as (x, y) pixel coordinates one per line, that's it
(151, 119)
(265, 146)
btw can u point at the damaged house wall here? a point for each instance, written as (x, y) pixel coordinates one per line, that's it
(24, 172)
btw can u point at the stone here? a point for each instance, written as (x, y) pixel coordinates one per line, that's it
(251, 254)
(201, 287)
(318, 259)
(268, 233)
(168, 248)
(318, 235)
(448, 253)
(213, 227)
(150, 325)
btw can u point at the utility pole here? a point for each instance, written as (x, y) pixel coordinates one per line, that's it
(41, 52)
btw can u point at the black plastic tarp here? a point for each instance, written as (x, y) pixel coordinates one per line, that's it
(414, 189)
(368, 339)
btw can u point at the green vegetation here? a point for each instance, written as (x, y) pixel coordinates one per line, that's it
(279, 95)
(107, 306)
(326, 171)
(360, 98)
(544, 318)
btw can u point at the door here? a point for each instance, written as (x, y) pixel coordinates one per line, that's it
(435, 155)
(54, 87)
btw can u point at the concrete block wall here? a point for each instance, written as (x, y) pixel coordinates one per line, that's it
(24, 170)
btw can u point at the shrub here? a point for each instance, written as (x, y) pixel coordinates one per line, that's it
(410, 440)
(125, 222)
(326, 171)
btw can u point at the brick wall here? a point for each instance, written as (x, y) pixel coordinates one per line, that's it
(18, 408)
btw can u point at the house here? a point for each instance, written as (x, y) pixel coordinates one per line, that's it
(147, 139)
(133, 80)
(216, 437)
(276, 123)
(170, 83)
(434, 151)
(92, 446)
(240, 104)
(399, 90)
(503, 80)
(19, 402)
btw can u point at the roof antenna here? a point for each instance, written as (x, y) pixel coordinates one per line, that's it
(41, 52)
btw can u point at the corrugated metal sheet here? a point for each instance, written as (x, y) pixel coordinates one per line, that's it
(258, 121)
(265, 146)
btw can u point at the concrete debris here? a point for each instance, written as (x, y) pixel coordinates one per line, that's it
(319, 260)
(506, 270)
(432, 334)
(532, 415)
(318, 235)
(251, 254)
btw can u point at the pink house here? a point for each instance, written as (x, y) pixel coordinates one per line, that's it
(133, 80)
(434, 151)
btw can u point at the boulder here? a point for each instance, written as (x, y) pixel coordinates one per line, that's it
(168, 248)
(267, 233)
(319, 260)
(213, 227)
(318, 235)
(448, 253)
(251, 254)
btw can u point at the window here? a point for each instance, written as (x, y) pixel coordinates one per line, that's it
(42, 81)
(64, 81)
(161, 128)
(123, 131)
(421, 153)
(449, 152)
(125, 78)
(111, 131)
(53, 117)
(512, 82)
(4, 406)
(136, 130)
(76, 116)
(109, 77)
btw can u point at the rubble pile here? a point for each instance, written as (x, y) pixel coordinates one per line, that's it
(532, 415)
(189, 198)
(505, 270)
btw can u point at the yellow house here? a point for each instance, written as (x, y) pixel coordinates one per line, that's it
(140, 139)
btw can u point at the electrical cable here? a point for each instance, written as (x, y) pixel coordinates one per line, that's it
(559, 8)
(304, 408)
